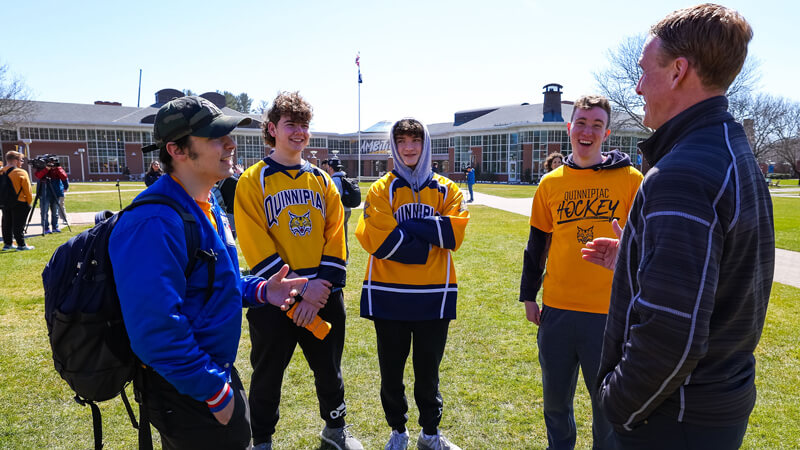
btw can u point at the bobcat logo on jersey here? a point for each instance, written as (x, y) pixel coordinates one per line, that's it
(585, 235)
(300, 225)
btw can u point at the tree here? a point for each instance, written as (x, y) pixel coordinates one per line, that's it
(785, 148)
(618, 81)
(764, 112)
(263, 107)
(241, 102)
(15, 104)
(188, 92)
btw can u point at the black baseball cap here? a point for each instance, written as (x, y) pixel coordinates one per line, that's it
(191, 116)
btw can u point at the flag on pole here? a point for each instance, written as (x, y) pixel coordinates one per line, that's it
(358, 63)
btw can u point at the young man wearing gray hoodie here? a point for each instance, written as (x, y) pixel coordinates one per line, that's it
(414, 219)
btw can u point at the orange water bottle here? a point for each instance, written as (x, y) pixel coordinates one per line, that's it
(318, 327)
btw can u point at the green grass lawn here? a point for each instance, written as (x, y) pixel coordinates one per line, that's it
(490, 376)
(786, 213)
(787, 183)
(505, 190)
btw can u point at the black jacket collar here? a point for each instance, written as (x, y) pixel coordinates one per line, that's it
(707, 112)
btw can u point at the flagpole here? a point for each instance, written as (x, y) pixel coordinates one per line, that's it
(358, 63)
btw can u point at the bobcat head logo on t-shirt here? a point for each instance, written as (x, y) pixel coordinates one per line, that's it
(300, 225)
(585, 235)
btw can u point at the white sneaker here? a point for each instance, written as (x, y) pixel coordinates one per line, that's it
(435, 442)
(397, 441)
(340, 438)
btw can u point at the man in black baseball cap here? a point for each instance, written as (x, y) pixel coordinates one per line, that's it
(185, 324)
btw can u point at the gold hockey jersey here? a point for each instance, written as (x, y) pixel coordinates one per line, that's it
(290, 215)
(410, 237)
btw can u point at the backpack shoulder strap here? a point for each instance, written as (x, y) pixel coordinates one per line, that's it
(192, 234)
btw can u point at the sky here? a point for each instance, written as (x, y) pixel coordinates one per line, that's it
(426, 59)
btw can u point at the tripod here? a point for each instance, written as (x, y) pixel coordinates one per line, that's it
(52, 194)
(119, 194)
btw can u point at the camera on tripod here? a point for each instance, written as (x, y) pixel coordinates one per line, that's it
(42, 161)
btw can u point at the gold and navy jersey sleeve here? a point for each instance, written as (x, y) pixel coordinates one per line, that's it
(446, 226)
(378, 230)
(291, 215)
(257, 244)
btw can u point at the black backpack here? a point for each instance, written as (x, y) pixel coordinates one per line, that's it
(91, 349)
(8, 195)
(351, 193)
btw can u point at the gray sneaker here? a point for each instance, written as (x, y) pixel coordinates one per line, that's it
(340, 438)
(27, 247)
(9, 247)
(435, 442)
(397, 441)
(263, 446)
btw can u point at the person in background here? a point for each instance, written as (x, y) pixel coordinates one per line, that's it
(554, 161)
(153, 174)
(15, 214)
(470, 183)
(50, 189)
(333, 167)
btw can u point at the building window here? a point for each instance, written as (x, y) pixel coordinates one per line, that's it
(249, 150)
(462, 154)
(133, 136)
(625, 144)
(106, 151)
(526, 137)
(8, 135)
(343, 146)
(439, 146)
(495, 153)
(64, 161)
(318, 143)
(52, 134)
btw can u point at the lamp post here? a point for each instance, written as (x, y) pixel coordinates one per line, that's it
(81, 151)
(314, 155)
(27, 143)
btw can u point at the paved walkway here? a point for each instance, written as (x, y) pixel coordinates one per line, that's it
(787, 263)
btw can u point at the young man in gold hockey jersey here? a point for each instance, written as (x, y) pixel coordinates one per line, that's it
(288, 212)
(413, 221)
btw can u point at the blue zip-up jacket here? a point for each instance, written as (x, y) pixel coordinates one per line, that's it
(693, 277)
(192, 345)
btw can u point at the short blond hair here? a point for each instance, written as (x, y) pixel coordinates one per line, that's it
(13, 156)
